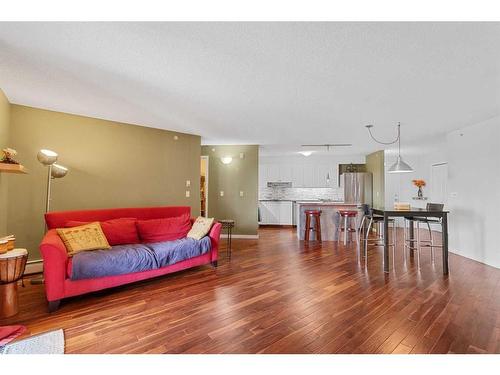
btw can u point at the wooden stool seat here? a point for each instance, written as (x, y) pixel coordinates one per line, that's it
(348, 213)
(313, 212)
(317, 224)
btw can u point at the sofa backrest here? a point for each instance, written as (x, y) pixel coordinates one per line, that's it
(60, 218)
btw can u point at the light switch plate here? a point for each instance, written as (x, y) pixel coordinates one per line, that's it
(221, 193)
(188, 193)
(188, 183)
(241, 193)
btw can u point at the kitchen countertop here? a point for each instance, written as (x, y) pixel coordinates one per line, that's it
(326, 203)
(300, 201)
(276, 200)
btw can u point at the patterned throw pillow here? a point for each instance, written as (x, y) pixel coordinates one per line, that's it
(84, 237)
(201, 227)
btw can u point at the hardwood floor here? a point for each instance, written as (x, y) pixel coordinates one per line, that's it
(278, 295)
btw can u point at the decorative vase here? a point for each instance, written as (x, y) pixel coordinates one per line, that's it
(420, 193)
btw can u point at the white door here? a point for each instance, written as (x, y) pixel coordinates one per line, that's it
(439, 183)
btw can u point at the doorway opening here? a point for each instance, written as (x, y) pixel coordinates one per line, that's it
(204, 186)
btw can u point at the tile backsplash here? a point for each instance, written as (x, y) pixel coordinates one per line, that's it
(296, 194)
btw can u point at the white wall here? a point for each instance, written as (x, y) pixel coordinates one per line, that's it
(474, 191)
(473, 186)
(400, 184)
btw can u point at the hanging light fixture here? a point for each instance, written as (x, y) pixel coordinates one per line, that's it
(399, 166)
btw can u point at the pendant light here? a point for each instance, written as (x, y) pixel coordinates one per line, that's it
(399, 166)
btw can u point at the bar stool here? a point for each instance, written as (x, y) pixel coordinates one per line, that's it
(316, 214)
(375, 219)
(426, 243)
(348, 217)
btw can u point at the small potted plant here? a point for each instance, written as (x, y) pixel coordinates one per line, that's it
(419, 184)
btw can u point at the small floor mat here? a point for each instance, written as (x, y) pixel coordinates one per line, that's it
(45, 343)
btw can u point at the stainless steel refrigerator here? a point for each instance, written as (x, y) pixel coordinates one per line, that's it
(357, 187)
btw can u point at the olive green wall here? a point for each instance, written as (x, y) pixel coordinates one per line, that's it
(110, 165)
(240, 175)
(4, 137)
(375, 165)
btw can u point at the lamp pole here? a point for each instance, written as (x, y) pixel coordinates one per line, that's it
(47, 198)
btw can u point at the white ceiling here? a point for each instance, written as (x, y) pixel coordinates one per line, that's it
(275, 84)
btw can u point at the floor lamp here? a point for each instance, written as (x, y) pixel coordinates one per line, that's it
(49, 158)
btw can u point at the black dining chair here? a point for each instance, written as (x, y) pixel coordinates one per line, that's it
(370, 218)
(421, 242)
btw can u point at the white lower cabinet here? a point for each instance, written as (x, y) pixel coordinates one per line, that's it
(275, 212)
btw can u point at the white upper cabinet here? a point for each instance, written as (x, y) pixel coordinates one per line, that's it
(301, 171)
(274, 173)
(285, 173)
(298, 176)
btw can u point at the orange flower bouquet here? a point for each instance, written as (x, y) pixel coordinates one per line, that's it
(420, 184)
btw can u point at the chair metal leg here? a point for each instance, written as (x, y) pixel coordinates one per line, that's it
(362, 223)
(418, 245)
(366, 236)
(361, 228)
(431, 240)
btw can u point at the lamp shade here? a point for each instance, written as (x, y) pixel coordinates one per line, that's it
(58, 171)
(46, 157)
(400, 167)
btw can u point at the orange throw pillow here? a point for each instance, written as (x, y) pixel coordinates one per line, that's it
(83, 238)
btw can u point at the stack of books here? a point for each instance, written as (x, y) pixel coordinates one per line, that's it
(401, 206)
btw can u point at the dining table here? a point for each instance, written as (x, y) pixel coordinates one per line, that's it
(411, 214)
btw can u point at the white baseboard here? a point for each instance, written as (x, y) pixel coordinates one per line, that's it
(241, 236)
(33, 266)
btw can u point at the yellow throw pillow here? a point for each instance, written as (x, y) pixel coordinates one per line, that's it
(84, 237)
(201, 227)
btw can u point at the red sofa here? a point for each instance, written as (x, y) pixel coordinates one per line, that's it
(56, 262)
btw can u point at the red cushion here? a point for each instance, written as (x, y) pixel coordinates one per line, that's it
(117, 231)
(165, 229)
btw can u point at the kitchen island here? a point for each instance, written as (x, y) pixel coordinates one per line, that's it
(329, 217)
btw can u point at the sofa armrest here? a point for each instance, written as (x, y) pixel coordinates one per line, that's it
(214, 235)
(55, 259)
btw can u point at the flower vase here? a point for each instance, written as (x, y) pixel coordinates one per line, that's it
(420, 193)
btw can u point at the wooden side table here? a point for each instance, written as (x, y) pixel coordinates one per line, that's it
(228, 225)
(12, 266)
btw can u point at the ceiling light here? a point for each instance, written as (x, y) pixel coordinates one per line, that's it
(399, 166)
(306, 153)
(226, 159)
